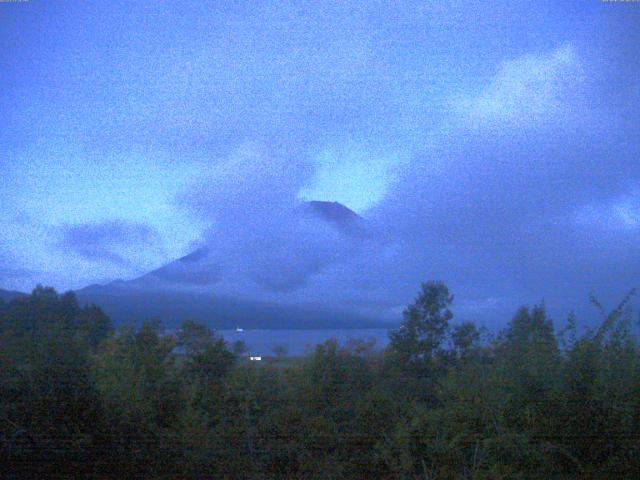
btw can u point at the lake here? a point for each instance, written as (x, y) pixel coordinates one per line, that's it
(298, 342)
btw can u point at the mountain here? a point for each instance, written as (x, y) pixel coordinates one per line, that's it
(334, 212)
(130, 306)
(163, 293)
(188, 270)
(8, 295)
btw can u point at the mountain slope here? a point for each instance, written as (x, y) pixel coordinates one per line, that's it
(186, 289)
(8, 295)
(131, 306)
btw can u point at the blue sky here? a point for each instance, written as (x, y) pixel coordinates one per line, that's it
(491, 144)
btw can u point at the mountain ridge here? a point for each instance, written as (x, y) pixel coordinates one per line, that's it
(9, 295)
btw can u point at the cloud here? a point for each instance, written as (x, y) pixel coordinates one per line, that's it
(116, 241)
(489, 205)
(10, 274)
(267, 246)
(528, 91)
(262, 237)
(621, 214)
(254, 179)
(354, 173)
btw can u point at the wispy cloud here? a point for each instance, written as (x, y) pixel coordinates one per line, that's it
(116, 241)
(529, 91)
(620, 214)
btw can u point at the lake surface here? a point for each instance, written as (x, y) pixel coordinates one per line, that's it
(298, 342)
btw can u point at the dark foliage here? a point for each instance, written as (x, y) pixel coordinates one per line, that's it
(444, 401)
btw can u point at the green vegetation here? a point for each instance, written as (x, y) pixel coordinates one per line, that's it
(444, 401)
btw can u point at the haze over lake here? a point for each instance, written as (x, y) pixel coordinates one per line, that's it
(299, 342)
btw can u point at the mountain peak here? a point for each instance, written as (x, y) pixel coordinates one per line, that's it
(333, 212)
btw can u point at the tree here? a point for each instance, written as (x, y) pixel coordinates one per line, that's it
(280, 350)
(425, 325)
(239, 348)
(93, 325)
(465, 338)
(530, 329)
(46, 393)
(135, 374)
(194, 336)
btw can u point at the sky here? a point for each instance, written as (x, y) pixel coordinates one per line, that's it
(492, 145)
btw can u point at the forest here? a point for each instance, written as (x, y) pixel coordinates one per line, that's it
(445, 400)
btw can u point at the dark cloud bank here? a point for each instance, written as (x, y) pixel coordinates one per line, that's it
(112, 241)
